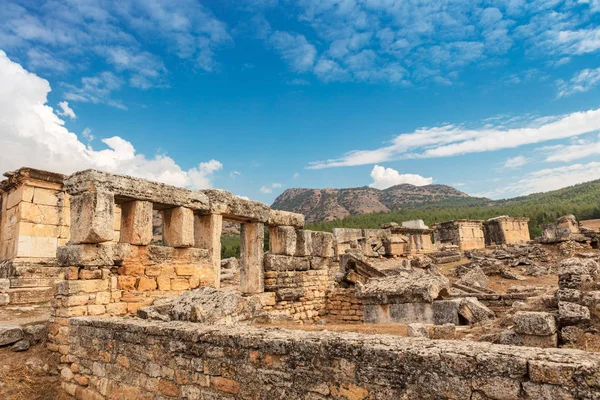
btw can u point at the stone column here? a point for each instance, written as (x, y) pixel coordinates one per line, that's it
(208, 236)
(178, 227)
(252, 237)
(136, 223)
(92, 217)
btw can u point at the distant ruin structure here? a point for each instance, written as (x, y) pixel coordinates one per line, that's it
(467, 234)
(506, 230)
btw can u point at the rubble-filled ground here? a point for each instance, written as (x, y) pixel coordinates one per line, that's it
(509, 280)
(30, 375)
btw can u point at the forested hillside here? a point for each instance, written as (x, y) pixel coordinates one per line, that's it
(582, 200)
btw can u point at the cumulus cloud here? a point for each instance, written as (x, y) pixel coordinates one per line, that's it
(516, 162)
(33, 135)
(384, 178)
(451, 140)
(66, 111)
(269, 189)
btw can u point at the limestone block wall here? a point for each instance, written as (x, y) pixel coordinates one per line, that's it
(298, 269)
(506, 230)
(343, 306)
(34, 217)
(118, 358)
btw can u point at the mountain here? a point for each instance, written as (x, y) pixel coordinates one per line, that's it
(581, 200)
(330, 204)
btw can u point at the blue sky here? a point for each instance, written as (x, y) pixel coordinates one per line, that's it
(495, 98)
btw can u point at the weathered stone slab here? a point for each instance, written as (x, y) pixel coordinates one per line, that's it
(285, 218)
(572, 313)
(408, 286)
(534, 323)
(473, 311)
(10, 334)
(446, 311)
(135, 189)
(417, 330)
(275, 262)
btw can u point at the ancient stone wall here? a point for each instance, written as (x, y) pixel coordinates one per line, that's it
(506, 230)
(105, 277)
(118, 358)
(297, 269)
(343, 306)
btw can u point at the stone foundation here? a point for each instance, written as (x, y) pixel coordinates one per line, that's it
(117, 358)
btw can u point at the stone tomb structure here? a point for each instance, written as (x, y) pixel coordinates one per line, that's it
(506, 230)
(34, 221)
(104, 277)
(465, 233)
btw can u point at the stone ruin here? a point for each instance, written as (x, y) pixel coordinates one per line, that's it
(132, 319)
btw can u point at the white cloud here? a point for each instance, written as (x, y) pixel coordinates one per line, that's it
(269, 189)
(556, 178)
(583, 81)
(31, 134)
(234, 174)
(575, 151)
(66, 110)
(451, 140)
(296, 175)
(294, 49)
(96, 89)
(516, 162)
(384, 178)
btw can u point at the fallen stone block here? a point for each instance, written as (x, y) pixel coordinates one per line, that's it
(417, 330)
(21, 345)
(544, 341)
(473, 311)
(446, 311)
(10, 334)
(408, 286)
(571, 334)
(474, 277)
(534, 323)
(572, 314)
(204, 305)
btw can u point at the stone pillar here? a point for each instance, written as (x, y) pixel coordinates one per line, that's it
(92, 215)
(252, 237)
(208, 236)
(136, 223)
(178, 227)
